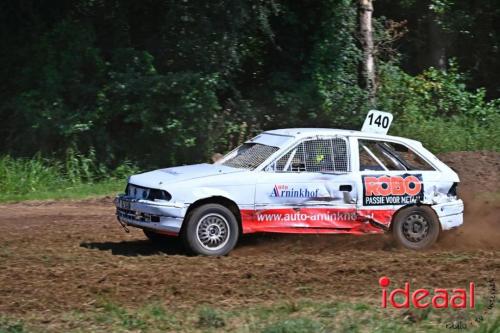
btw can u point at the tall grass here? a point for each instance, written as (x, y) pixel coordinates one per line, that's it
(451, 134)
(39, 178)
(19, 176)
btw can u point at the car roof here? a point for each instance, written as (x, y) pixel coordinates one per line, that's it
(308, 132)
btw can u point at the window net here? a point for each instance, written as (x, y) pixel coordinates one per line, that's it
(321, 155)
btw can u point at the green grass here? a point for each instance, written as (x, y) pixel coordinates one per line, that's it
(71, 191)
(210, 318)
(79, 176)
(11, 326)
(441, 135)
(299, 316)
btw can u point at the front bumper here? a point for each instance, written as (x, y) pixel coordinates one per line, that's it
(451, 214)
(163, 217)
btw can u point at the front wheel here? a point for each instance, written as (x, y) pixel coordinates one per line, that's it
(416, 227)
(211, 230)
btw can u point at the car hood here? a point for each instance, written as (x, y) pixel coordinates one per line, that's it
(160, 178)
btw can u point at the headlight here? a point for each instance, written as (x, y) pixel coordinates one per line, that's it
(145, 193)
(155, 194)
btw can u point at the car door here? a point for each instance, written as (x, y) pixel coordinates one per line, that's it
(309, 188)
(391, 175)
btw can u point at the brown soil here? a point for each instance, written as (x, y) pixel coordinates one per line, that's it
(62, 255)
(479, 171)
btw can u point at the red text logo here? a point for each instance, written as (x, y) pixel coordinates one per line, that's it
(439, 298)
(397, 185)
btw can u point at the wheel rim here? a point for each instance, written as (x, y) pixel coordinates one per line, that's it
(213, 231)
(416, 228)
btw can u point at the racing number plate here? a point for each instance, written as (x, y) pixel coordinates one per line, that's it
(377, 122)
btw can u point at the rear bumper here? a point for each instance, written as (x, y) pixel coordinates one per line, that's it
(451, 214)
(161, 217)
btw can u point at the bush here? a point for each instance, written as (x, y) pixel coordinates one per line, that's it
(434, 93)
(437, 109)
(458, 133)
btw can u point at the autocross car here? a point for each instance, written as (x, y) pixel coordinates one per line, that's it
(300, 180)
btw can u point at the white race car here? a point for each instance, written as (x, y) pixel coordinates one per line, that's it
(300, 180)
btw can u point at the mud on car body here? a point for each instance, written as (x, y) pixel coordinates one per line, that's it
(303, 180)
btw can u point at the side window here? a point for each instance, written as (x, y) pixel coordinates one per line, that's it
(320, 155)
(367, 160)
(408, 156)
(340, 155)
(384, 160)
(384, 155)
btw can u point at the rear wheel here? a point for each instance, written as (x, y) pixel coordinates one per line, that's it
(416, 227)
(211, 230)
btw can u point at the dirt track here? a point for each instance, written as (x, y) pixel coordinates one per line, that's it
(56, 256)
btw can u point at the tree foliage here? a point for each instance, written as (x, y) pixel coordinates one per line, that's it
(170, 82)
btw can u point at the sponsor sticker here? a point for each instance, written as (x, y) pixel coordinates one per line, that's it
(461, 314)
(379, 190)
(422, 298)
(285, 191)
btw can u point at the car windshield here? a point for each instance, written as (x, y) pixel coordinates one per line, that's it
(249, 155)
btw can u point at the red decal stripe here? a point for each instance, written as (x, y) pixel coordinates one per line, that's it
(315, 220)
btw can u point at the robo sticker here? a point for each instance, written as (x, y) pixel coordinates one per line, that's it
(379, 190)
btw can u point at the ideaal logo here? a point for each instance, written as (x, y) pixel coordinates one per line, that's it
(462, 300)
(423, 298)
(283, 191)
(392, 190)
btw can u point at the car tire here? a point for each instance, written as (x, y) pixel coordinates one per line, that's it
(416, 227)
(155, 237)
(211, 230)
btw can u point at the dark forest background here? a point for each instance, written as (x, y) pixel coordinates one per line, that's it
(158, 83)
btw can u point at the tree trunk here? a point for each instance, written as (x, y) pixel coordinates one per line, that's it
(368, 74)
(437, 43)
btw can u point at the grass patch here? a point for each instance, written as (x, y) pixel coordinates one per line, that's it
(112, 317)
(71, 191)
(282, 317)
(210, 318)
(79, 176)
(297, 325)
(11, 326)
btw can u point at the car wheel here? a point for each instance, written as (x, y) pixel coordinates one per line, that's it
(211, 230)
(416, 227)
(155, 237)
